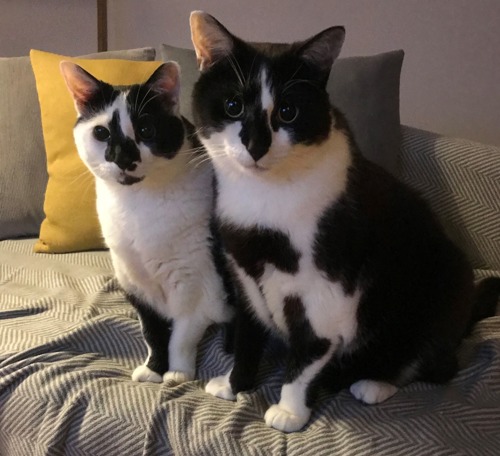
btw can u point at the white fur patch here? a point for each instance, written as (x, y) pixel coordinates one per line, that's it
(372, 392)
(143, 373)
(266, 97)
(221, 388)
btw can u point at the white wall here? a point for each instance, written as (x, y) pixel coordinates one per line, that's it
(451, 73)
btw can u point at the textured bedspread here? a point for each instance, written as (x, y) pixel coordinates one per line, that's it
(69, 343)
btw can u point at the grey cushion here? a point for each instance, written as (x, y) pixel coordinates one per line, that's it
(460, 179)
(23, 170)
(365, 89)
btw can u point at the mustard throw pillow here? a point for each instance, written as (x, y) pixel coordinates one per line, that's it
(71, 222)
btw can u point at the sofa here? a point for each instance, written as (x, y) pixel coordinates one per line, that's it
(69, 340)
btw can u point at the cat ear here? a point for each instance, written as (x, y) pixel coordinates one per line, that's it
(211, 40)
(166, 80)
(81, 84)
(322, 49)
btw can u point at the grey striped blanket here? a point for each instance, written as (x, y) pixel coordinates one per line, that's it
(69, 342)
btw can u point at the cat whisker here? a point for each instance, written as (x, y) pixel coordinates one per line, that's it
(251, 68)
(196, 132)
(78, 178)
(201, 159)
(245, 80)
(293, 82)
(296, 71)
(198, 163)
(137, 97)
(231, 61)
(144, 101)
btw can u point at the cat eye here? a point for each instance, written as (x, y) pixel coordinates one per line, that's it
(287, 112)
(234, 107)
(146, 131)
(101, 133)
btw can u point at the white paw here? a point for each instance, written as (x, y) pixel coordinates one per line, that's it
(283, 420)
(177, 377)
(372, 392)
(220, 387)
(144, 374)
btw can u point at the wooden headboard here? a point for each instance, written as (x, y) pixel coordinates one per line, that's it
(102, 25)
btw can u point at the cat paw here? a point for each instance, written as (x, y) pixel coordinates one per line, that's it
(144, 374)
(220, 387)
(283, 420)
(372, 392)
(177, 377)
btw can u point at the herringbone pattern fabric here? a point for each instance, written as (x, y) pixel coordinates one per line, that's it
(461, 180)
(69, 343)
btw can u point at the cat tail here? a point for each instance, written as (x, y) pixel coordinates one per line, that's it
(486, 297)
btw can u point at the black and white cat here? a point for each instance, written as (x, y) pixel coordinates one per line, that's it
(346, 263)
(154, 202)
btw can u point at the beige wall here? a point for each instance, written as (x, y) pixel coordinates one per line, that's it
(451, 73)
(61, 26)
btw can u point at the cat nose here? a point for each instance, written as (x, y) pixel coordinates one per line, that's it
(257, 149)
(123, 155)
(256, 136)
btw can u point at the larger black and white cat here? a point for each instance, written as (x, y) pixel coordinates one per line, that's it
(154, 202)
(346, 263)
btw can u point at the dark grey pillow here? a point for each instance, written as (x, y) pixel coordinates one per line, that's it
(23, 170)
(365, 89)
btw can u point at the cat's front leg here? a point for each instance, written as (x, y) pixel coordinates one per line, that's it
(187, 332)
(249, 341)
(156, 332)
(308, 355)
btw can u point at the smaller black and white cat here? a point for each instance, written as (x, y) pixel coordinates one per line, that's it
(330, 251)
(154, 202)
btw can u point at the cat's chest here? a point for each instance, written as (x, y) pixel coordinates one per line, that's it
(272, 269)
(270, 233)
(149, 233)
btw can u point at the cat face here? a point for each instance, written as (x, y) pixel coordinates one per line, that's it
(259, 108)
(126, 134)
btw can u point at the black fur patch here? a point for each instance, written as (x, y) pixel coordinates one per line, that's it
(382, 239)
(255, 133)
(98, 101)
(249, 343)
(156, 331)
(253, 247)
(121, 149)
(305, 346)
(145, 104)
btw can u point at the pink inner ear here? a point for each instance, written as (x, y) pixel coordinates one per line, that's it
(211, 42)
(80, 85)
(81, 90)
(169, 80)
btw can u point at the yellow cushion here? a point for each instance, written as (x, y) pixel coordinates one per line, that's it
(71, 222)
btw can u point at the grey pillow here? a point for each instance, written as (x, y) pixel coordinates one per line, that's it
(23, 166)
(365, 89)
